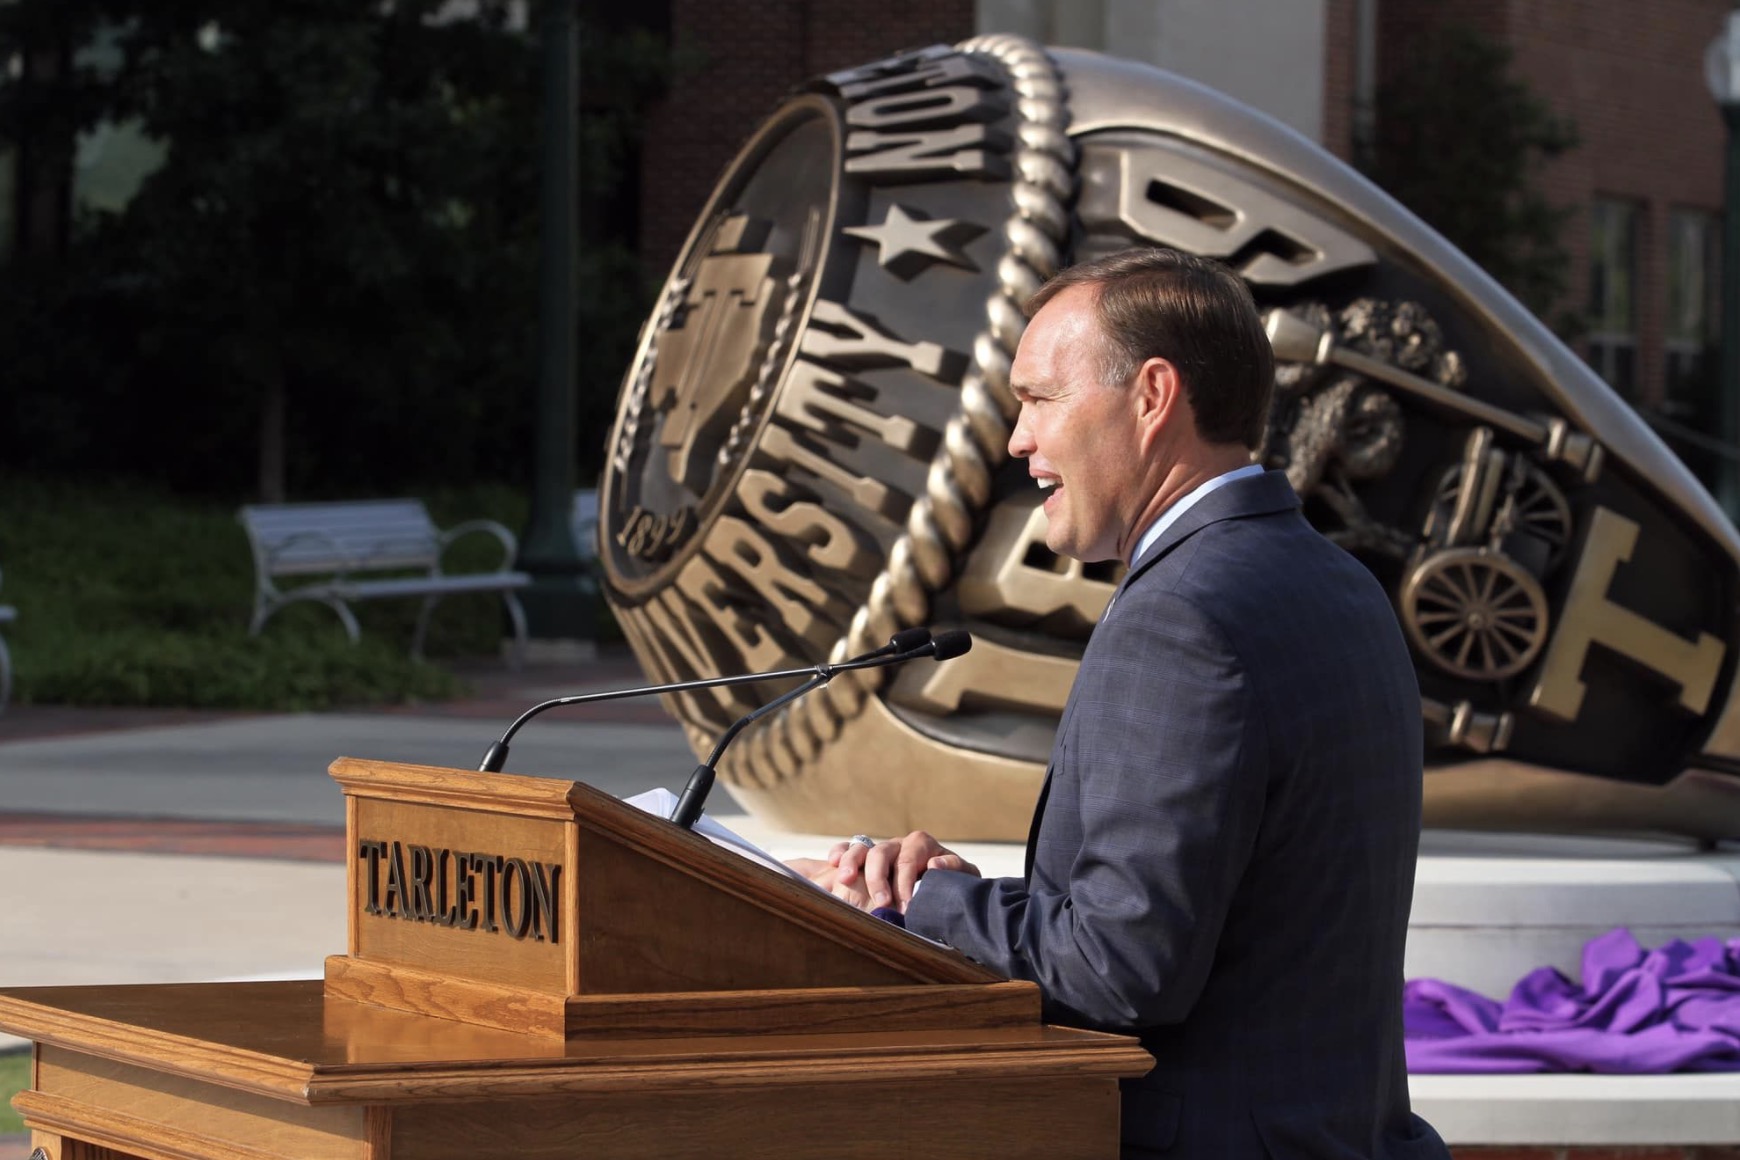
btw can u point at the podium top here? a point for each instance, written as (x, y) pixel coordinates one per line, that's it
(599, 898)
(289, 1041)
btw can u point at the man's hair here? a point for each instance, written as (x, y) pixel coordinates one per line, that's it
(1194, 313)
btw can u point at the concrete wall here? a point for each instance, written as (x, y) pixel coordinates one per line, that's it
(1268, 55)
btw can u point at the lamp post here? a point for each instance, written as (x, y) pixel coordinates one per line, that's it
(559, 605)
(1722, 71)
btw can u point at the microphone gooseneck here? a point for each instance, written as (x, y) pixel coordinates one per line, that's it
(943, 647)
(904, 641)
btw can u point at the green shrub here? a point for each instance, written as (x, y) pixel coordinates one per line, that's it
(14, 1078)
(127, 596)
(230, 671)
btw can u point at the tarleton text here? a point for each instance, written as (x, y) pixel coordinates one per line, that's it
(460, 889)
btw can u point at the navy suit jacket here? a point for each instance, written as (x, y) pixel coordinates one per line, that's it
(1222, 859)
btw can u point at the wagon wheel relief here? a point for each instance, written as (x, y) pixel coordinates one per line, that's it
(1475, 613)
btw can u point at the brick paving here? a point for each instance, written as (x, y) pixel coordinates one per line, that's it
(496, 694)
(291, 843)
(38, 722)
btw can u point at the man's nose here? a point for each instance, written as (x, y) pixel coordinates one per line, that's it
(1020, 439)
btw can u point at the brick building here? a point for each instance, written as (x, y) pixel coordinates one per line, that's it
(1644, 183)
(747, 55)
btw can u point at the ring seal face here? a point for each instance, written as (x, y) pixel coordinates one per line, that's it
(807, 439)
(717, 346)
(810, 455)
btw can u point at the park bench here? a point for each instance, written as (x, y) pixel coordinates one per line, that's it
(7, 615)
(336, 553)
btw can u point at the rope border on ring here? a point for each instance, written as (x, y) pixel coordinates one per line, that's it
(939, 528)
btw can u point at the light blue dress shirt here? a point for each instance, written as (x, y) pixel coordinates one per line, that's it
(1171, 514)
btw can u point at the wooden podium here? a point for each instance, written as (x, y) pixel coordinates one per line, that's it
(537, 970)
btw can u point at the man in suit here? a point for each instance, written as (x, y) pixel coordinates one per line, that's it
(1222, 857)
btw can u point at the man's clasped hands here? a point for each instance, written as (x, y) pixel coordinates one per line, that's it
(883, 874)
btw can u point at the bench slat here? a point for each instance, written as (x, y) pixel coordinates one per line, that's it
(350, 555)
(349, 535)
(429, 585)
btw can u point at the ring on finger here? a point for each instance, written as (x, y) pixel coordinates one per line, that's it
(864, 840)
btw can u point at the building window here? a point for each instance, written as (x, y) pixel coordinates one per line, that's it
(1613, 292)
(1694, 267)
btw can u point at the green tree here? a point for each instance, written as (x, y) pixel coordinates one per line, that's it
(1460, 141)
(331, 281)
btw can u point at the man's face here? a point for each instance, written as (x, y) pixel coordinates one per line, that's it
(1079, 435)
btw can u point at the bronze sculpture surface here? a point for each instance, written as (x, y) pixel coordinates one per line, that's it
(810, 455)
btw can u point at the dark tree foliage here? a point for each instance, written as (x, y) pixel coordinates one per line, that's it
(331, 283)
(1459, 141)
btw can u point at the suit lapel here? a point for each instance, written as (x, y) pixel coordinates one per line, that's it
(1257, 495)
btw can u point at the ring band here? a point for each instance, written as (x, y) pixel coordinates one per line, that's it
(864, 840)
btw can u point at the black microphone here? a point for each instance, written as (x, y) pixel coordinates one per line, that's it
(944, 646)
(949, 645)
(906, 640)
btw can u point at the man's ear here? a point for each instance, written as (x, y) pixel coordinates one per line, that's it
(1158, 399)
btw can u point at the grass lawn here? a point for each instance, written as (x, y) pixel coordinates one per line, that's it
(14, 1078)
(129, 596)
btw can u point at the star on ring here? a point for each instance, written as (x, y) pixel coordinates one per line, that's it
(908, 242)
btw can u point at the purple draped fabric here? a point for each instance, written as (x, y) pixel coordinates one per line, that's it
(1676, 1008)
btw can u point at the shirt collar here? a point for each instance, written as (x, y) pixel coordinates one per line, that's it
(1171, 514)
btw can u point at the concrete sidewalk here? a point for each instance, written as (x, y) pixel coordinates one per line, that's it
(273, 767)
(174, 846)
(169, 847)
(153, 846)
(178, 847)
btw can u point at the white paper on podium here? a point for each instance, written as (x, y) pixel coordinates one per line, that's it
(663, 803)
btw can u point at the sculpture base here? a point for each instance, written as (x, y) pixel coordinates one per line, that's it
(1657, 1114)
(1488, 908)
